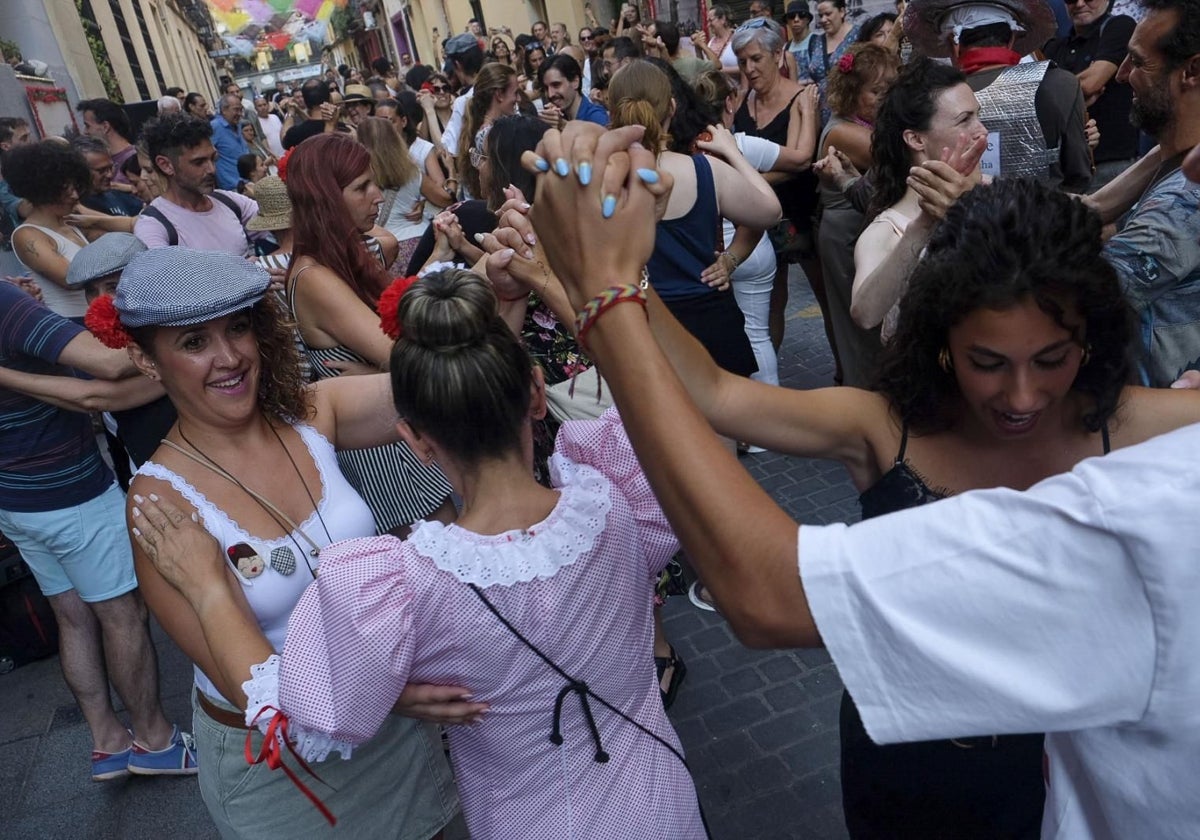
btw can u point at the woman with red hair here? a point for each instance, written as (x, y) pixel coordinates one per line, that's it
(333, 284)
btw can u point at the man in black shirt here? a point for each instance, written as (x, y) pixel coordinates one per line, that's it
(1095, 48)
(322, 114)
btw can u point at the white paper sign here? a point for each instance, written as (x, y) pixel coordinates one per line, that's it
(989, 164)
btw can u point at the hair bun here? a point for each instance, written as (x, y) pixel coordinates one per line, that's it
(448, 310)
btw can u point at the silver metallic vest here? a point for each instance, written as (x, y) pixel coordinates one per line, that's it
(1016, 143)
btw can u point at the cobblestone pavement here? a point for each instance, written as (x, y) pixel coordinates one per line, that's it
(759, 727)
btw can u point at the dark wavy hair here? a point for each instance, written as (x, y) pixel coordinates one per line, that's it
(909, 105)
(459, 374)
(282, 387)
(171, 134)
(1182, 41)
(509, 138)
(317, 172)
(998, 245)
(42, 172)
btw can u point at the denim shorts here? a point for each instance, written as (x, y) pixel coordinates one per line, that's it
(397, 787)
(85, 548)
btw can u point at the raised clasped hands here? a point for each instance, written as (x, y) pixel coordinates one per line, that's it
(595, 206)
(182, 552)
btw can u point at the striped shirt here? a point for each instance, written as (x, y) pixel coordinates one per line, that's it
(49, 459)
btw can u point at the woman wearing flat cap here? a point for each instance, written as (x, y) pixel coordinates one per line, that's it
(252, 458)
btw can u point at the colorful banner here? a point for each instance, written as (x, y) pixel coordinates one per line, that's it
(237, 16)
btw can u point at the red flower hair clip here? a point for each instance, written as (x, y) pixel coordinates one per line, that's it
(281, 164)
(846, 63)
(104, 322)
(388, 306)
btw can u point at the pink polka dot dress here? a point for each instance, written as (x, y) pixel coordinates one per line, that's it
(578, 586)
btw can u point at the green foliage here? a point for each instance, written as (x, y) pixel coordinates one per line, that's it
(10, 49)
(108, 78)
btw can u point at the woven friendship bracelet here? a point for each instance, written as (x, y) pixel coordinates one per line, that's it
(605, 301)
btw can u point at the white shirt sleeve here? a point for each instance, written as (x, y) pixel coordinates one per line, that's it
(454, 127)
(993, 612)
(761, 153)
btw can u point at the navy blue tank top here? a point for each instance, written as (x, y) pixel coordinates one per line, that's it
(684, 247)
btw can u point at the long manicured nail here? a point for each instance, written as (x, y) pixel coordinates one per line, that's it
(136, 513)
(584, 170)
(648, 176)
(153, 497)
(479, 238)
(136, 532)
(541, 165)
(562, 167)
(608, 206)
(138, 498)
(506, 254)
(531, 239)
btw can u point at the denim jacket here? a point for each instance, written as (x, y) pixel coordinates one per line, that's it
(1157, 257)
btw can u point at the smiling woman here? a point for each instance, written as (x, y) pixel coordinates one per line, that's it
(252, 459)
(336, 276)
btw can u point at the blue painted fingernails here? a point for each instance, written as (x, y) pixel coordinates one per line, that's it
(541, 165)
(585, 173)
(608, 206)
(649, 176)
(562, 167)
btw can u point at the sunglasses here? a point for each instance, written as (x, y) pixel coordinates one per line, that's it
(799, 16)
(439, 88)
(534, 45)
(754, 23)
(585, 37)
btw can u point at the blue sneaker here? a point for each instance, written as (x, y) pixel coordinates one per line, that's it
(107, 766)
(178, 758)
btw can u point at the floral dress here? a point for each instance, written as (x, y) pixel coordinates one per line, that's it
(816, 66)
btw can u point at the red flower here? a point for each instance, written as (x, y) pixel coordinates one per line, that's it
(104, 322)
(388, 306)
(281, 164)
(846, 63)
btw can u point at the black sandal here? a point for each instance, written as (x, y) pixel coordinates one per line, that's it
(661, 664)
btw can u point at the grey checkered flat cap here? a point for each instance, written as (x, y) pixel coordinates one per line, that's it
(107, 255)
(175, 287)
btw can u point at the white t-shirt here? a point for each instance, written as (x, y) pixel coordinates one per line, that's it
(454, 126)
(1072, 609)
(762, 155)
(272, 126)
(216, 229)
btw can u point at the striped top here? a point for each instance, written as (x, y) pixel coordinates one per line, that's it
(48, 457)
(396, 485)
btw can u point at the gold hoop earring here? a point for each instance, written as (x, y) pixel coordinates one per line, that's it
(1086, 356)
(944, 360)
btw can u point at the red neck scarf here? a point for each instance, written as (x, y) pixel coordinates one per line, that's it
(975, 59)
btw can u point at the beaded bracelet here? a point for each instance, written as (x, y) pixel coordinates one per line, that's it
(606, 300)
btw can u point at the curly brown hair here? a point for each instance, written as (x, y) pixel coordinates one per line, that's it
(1012, 240)
(868, 64)
(282, 388)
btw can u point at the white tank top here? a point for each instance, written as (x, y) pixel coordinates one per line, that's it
(69, 304)
(273, 595)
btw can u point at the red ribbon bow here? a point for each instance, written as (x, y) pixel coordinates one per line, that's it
(272, 755)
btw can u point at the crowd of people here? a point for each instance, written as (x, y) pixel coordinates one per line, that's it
(371, 327)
